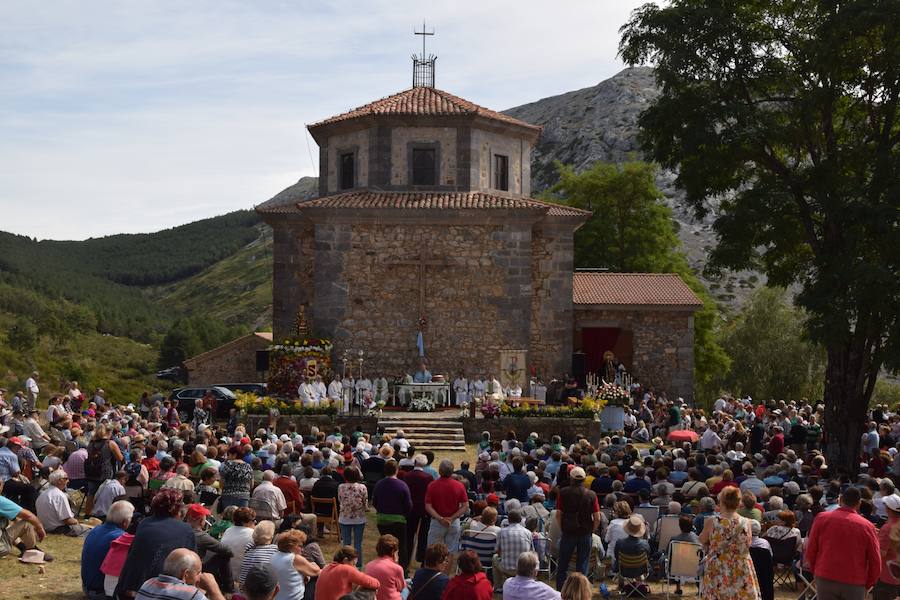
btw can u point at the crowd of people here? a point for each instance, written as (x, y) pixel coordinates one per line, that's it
(206, 510)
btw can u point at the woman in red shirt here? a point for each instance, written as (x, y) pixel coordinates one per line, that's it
(471, 583)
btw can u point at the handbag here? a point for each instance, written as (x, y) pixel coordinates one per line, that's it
(427, 583)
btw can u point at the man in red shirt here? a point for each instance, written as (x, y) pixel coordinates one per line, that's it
(445, 501)
(843, 551)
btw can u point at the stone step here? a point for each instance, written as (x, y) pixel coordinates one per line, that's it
(424, 430)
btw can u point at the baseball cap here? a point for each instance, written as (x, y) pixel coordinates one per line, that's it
(493, 499)
(577, 473)
(260, 581)
(16, 440)
(195, 511)
(892, 502)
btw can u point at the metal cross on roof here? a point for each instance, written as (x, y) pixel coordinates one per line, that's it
(423, 66)
(423, 33)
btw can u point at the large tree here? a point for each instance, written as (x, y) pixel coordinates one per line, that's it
(632, 230)
(786, 113)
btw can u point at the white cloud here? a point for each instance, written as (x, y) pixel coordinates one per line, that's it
(128, 117)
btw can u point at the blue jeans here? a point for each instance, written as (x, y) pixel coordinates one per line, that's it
(581, 546)
(352, 535)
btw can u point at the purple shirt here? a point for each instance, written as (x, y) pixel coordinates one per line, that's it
(74, 467)
(391, 496)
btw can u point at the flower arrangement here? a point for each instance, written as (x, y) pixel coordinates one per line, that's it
(251, 404)
(422, 404)
(490, 409)
(613, 395)
(589, 408)
(292, 361)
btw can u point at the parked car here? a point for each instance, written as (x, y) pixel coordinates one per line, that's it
(253, 388)
(188, 396)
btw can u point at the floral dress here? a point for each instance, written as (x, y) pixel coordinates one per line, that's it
(728, 572)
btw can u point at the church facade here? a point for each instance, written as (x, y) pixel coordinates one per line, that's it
(424, 222)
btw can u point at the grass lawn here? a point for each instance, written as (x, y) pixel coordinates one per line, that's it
(61, 580)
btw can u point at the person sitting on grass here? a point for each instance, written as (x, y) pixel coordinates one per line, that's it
(25, 530)
(341, 576)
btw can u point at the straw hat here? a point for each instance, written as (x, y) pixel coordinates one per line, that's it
(635, 526)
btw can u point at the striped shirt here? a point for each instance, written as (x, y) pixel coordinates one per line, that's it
(256, 556)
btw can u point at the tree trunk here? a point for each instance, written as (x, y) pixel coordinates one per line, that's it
(849, 382)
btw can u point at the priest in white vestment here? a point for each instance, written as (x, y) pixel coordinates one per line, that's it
(306, 393)
(334, 390)
(380, 389)
(320, 390)
(493, 390)
(364, 392)
(461, 390)
(476, 389)
(515, 391)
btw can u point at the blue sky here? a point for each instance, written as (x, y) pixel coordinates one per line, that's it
(136, 116)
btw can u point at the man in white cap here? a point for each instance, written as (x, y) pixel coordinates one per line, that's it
(578, 514)
(888, 585)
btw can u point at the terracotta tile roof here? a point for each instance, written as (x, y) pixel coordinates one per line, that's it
(425, 101)
(434, 200)
(645, 289)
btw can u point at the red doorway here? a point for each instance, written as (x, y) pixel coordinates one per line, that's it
(595, 341)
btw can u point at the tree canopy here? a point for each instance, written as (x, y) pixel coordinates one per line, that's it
(771, 355)
(632, 230)
(785, 113)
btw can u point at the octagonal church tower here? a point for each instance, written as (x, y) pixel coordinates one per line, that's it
(424, 222)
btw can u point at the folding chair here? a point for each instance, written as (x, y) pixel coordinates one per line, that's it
(683, 562)
(667, 528)
(633, 568)
(325, 510)
(808, 582)
(541, 545)
(784, 553)
(651, 517)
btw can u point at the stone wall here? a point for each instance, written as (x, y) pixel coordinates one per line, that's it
(545, 427)
(551, 315)
(402, 141)
(356, 142)
(663, 344)
(233, 363)
(477, 303)
(292, 275)
(306, 422)
(486, 144)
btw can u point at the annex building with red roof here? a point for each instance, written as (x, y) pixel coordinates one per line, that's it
(424, 221)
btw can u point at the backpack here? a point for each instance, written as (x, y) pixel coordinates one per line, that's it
(133, 470)
(93, 464)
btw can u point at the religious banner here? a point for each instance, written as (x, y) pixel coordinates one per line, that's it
(512, 369)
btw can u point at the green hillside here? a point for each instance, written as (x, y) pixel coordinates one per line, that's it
(98, 310)
(236, 290)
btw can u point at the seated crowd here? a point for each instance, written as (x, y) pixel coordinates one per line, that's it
(199, 510)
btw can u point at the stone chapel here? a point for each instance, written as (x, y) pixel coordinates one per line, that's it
(424, 222)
